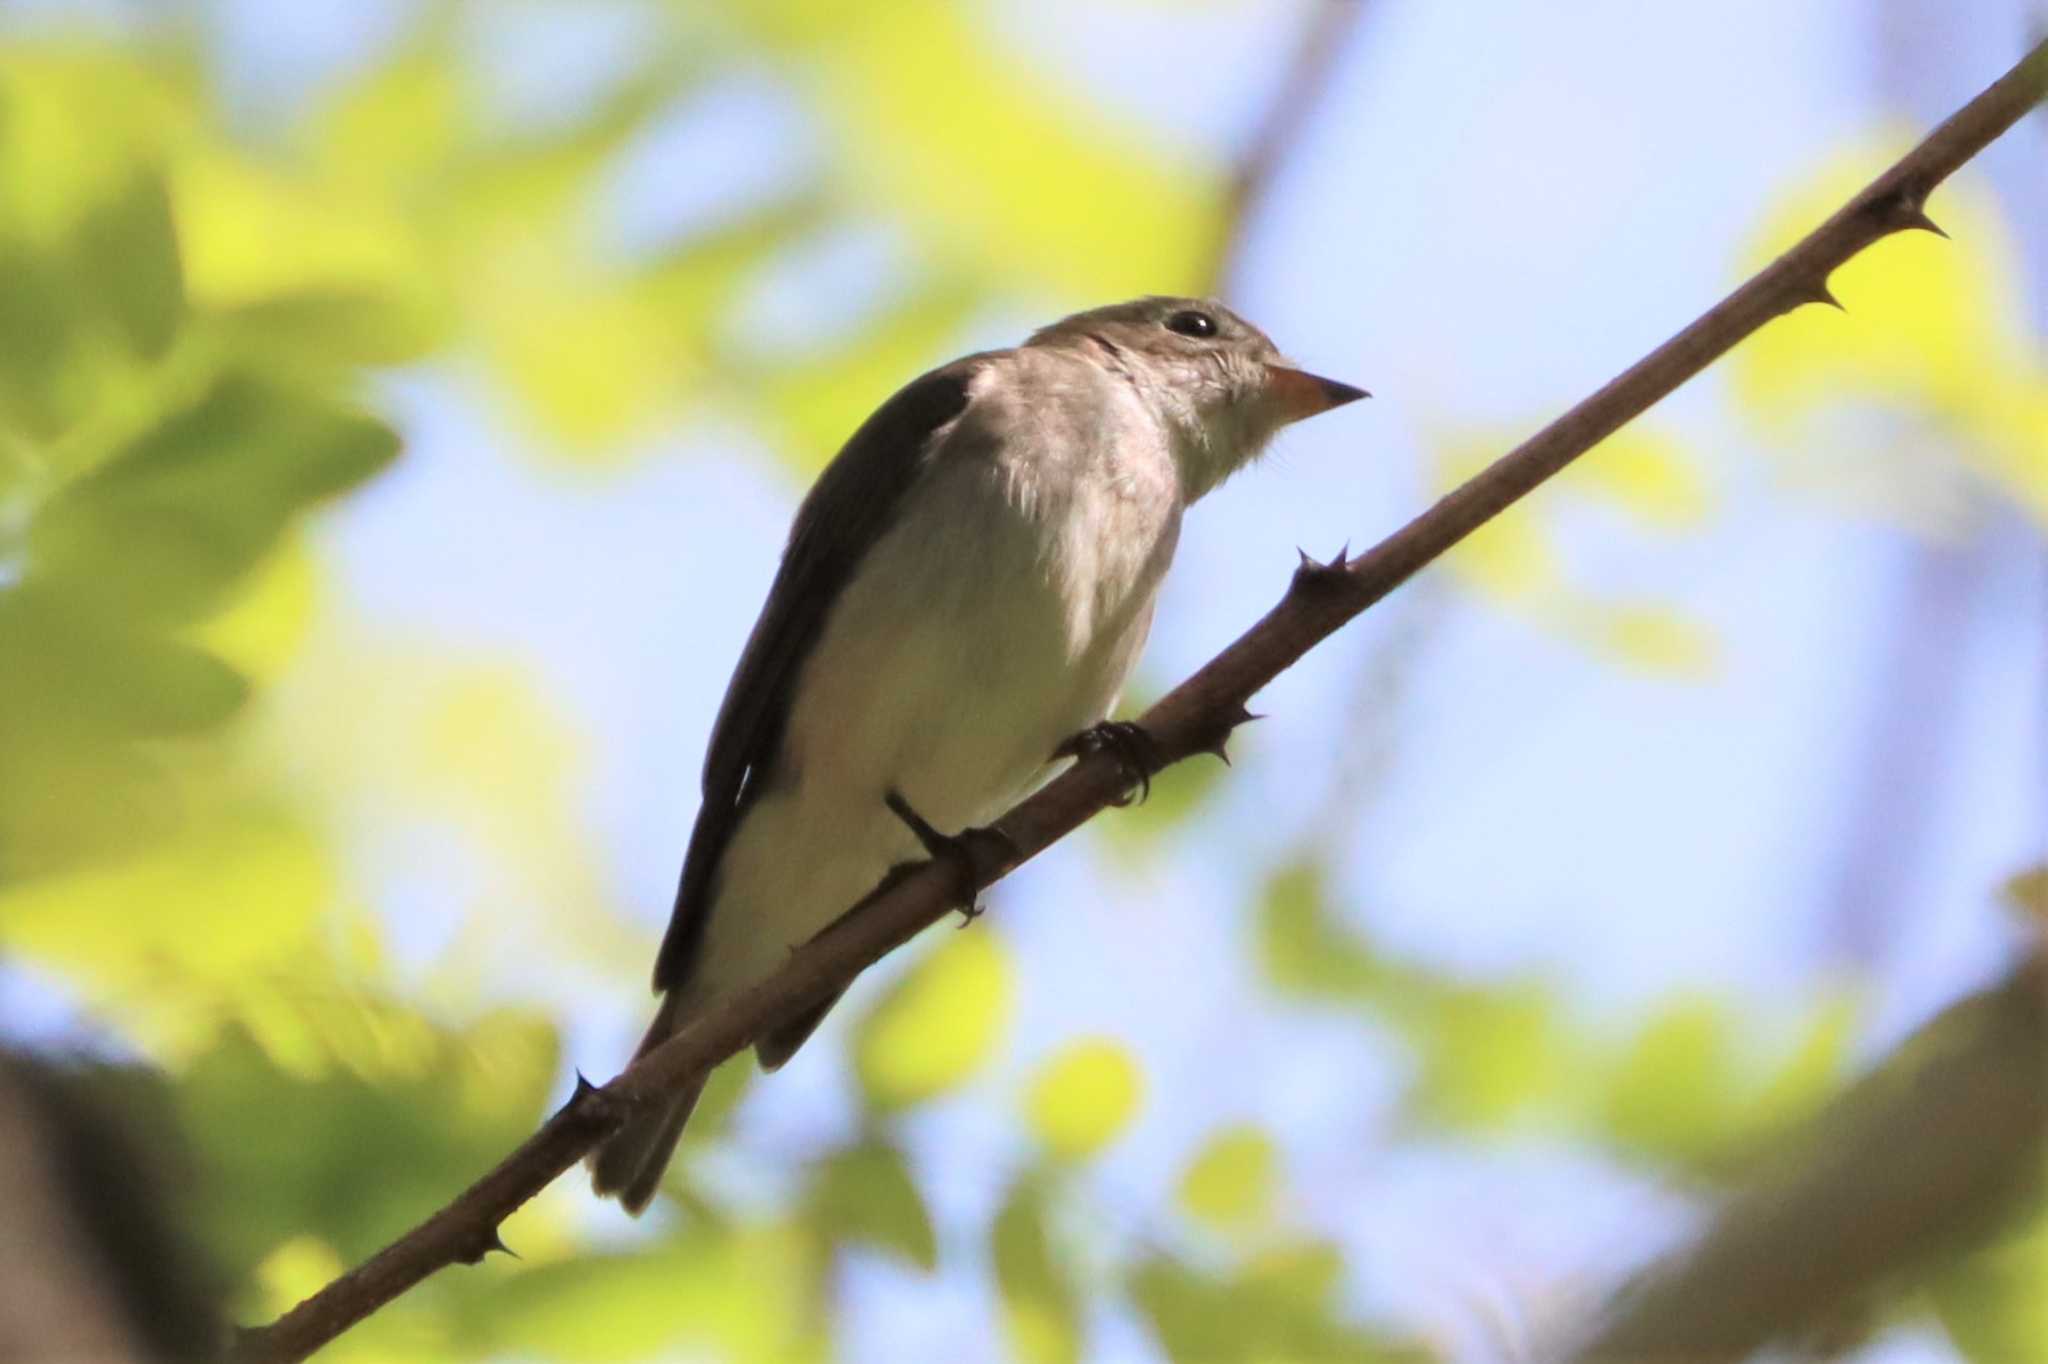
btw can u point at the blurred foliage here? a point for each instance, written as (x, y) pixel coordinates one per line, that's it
(196, 318)
(1516, 561)
(1940, 381)
(1691, 1091)
(1041, 1301)
(1084, 1097)
(865, 1194)
(1278, 1305)
(1992, 1302)
(937, 1026)
(1232, 1182)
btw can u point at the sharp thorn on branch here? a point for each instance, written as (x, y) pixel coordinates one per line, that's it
(1916, 218)
(1797, 296)
(1905, 210)
(1820, 293)
(483, 1243)
(1312, 573)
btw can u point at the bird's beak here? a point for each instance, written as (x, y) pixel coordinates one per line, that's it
(1297, 393)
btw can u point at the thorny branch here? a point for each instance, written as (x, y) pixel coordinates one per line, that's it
(1196, 717)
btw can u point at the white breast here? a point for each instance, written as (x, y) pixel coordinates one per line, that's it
(1002, 614)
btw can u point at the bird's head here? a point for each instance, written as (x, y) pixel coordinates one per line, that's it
(1218, 382)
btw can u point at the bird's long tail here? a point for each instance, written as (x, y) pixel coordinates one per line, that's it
(630, 1164)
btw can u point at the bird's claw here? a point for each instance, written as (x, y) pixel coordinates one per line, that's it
(1135, 751)
(953, 851)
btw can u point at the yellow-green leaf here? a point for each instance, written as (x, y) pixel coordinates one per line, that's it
(289, 260)
(1652, 638)
(1994, 1303)
(1673, 1095)
(1488, 1052)
(739, 1293)
(1041, 1312)
(1304, 951)
(1935, 331)
(865, 1194)
(1804, 1079)
(1277, 1308)
(166, 526)
(294, 1146)
(1513, 561)
(1646, 472)
(948, 129)
(1084, 1097)
(224, 904)
(938, 1025)
(1232, 1183)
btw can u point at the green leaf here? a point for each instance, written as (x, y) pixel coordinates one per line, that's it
(937, 1025)
(168, 524)
(1485, 1052)
(1278, 1307)
(38, 335)
(78, 695)
(1307, 1271)
(730, 1293)
(125, 254)
(1195, 1316)
(1041, 1310)
(1994, 1303)
(299, 269)
(1812, 1071)
(1083, 1098)
(1234, 1180)
(954, 132)
(1673, 1094)
(1488, 1053)
(64, 805)
(90, 282)
(865, 1194)
(329, 329)
(73, 677)
(347, 1159)
(1304, 951)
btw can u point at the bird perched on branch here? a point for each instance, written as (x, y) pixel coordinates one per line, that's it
(963, 596)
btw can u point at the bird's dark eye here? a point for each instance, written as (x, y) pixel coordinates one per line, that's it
(1191, 323)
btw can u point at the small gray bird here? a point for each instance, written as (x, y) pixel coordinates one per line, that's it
(963, 596)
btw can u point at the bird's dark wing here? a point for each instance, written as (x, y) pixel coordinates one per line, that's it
(845, 514)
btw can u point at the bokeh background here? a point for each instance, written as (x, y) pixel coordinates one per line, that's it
(401, 408)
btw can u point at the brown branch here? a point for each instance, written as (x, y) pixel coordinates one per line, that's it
(1924, 1159)
(1196, 717)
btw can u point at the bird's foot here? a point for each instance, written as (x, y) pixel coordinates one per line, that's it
(1135, 751)
(955, 852)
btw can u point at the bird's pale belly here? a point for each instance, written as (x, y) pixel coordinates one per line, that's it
(954, 690)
